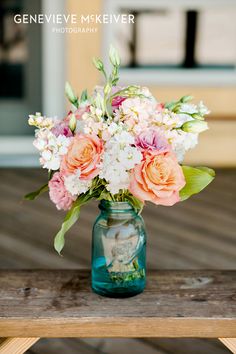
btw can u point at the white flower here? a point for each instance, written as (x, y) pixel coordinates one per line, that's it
(39, 121)
(75, 185)
(189, 108)
(118, 159)
(166, 119)
(183, 118)
(51, 148)
(196, 126)
(113, 128)
(129, 157)
(146, 92)
(135, 113)
(181, 142)
(202, 109)
(123, 138)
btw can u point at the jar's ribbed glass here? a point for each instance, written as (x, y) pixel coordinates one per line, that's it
(118, 251)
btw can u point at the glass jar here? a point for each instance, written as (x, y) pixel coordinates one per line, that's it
(118, 251)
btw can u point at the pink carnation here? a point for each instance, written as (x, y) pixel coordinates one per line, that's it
(78, 113)
(58, 193)
(62, 128)
(160, 106)
(116, 102)
(152, 139)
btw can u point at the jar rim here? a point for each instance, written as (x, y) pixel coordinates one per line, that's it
(119, 206)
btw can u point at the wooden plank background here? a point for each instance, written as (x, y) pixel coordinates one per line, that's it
(197, 234)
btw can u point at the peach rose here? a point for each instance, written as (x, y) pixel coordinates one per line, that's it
(158, 178)
(84, 153)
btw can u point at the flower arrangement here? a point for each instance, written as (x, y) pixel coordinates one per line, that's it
(119, 144)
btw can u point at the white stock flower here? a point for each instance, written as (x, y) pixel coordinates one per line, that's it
(166, 119)
(39, 121)
(181, 142)
(202, 109)
(119, 157)
(51, 148)
(75, 185)
(189, 108)
(135, 113)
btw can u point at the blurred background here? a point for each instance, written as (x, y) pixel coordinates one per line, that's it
(175, 48)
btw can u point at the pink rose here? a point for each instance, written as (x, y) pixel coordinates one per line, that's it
(158, 178)
(62, 128)
(152, 139)
(58, 193)
(84, 153)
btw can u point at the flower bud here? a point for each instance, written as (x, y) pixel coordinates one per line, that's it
(72, 122)
(114, 56)
(98, 64)
(133, 89)
(186, 99)
(69, 93)
(197, 116)
(194, 126)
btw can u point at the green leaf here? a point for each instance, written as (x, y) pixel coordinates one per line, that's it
(34, 195)
(98, 64)
(207, 169)
(70, 94)
(171, 105)
(196, 180)
(70, 219)
(135, 202)
(84, 96)
(186, 99)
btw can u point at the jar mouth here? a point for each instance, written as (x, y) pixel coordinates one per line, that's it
(115, 206)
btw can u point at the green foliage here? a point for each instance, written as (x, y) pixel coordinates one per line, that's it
(70, 95)
(197, 178)
(83, 97)
(76, 102)
(124, 277)
(96, 190)
(175, 105)
(100, 66)
(135, 202)
(208, 170)
(70, 219)
(111, 80)
(34, 195)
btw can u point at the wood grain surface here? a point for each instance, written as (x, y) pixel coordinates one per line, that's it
(60, 303)
(16, 345)
(197, 234)
(230, 343)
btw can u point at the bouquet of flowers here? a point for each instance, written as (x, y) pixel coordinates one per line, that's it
(119, 144)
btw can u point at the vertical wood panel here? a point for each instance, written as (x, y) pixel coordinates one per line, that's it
(82, 47)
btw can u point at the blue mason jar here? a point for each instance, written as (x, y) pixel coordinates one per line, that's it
(118, 251)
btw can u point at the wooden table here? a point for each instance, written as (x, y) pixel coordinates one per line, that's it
(60, 303)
